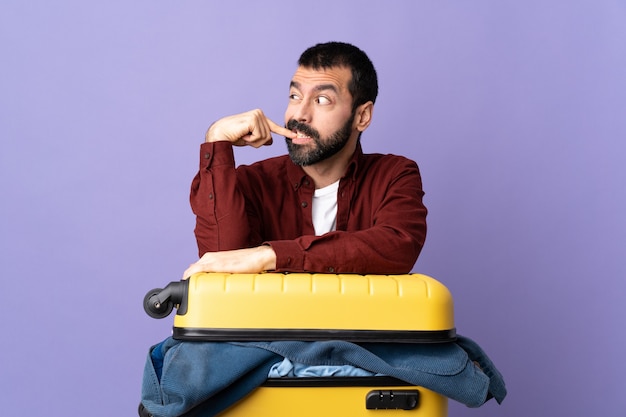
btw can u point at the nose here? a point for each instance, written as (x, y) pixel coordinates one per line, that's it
(300, 111)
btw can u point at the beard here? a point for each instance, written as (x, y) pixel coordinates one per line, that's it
(305, 155)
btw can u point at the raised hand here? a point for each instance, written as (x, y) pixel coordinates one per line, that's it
(251, 128)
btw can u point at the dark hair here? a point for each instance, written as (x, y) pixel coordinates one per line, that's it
(364, 83)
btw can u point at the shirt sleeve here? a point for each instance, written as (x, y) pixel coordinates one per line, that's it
(217, 202)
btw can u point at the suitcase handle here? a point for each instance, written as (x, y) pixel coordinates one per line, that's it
(392, 399)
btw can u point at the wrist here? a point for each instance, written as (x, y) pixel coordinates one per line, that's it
(209, 136)
(268, 258)
(213, 134)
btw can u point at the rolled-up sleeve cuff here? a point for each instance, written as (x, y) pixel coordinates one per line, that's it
(216, 154)
(289, 255)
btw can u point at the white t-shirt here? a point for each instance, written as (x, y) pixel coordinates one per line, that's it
(324, 209)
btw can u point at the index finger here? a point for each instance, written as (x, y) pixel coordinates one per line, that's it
(280, 130)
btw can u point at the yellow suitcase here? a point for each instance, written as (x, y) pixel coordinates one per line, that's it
(411, 308)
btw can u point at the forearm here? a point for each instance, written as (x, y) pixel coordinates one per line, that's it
(217, 202)
(378, 250)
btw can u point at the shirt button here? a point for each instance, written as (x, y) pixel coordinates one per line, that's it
(207, 155)
(210, 196)
(304, 204)
(331, 269)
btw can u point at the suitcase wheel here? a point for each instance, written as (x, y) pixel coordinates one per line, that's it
(154, 307)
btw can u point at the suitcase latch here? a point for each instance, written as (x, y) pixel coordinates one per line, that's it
(388, 399)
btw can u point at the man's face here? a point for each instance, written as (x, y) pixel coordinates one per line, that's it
(320, 112)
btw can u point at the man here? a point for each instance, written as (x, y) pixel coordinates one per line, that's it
(326, 207)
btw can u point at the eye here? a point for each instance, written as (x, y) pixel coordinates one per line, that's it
(294, 96)
(322, 100)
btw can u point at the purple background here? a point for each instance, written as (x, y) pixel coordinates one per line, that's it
(514, 110)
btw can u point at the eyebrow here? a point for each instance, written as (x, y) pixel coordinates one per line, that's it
(317, 88)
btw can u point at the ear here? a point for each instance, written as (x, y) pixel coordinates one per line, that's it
(363, 116)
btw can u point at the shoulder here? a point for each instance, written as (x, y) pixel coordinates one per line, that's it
(389, 164)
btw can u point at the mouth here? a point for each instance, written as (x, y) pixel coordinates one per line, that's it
(304, 133)
(301, 138)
